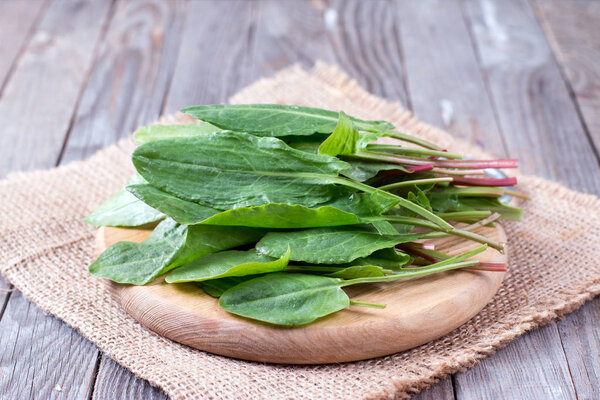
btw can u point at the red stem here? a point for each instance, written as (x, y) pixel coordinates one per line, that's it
(484, 181)
(489, 267)
(420, 168)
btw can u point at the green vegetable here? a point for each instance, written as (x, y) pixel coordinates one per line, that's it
(286, 299)
(228, 264)
(358, 271)
(151, 133)
(169, 246)
(343, 139)
(229, 170)
(124, 209)
(276, 119)
(346, 210)
(324, 208)
(296, 299)
(216, 287)
(329, 245)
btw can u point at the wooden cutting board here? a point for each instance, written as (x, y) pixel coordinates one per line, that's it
(418, 311)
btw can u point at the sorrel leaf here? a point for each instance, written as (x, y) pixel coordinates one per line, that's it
(335, 245)
(343, 139)
(151, 133)
(229, 170)
(169, 246)
(124, 209)
(358, 271)
(346, 210)
(286, 299)
(227, 264)
(364, 170)
(216, 287)
(276, 119)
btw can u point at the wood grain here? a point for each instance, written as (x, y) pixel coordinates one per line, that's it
(446, 85)
(115, 382)
(573, 29)
(16, 24)
(373, 56)
(38, 102)
(41, 357)
(289, 33)
(210, 71)
(580, 339)
(418, 311)
(130, 77)
(530, 352)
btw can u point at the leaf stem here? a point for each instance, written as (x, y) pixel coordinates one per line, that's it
(366, 304)
(414, 182)
(394, 149)
(412, 139)
(410, 273)
(454, 232)
(409, 205)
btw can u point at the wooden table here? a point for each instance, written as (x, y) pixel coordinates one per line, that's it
(518, 77)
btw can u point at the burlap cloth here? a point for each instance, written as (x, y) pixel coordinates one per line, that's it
(46, 249)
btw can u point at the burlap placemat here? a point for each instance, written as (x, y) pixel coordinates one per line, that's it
(46, 250)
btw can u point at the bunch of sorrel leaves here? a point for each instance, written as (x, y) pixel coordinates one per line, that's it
(274, 209)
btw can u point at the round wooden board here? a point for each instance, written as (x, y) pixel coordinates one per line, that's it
(418, 311)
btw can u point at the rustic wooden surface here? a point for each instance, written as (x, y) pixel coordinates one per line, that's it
(418, 311)
(520, 77)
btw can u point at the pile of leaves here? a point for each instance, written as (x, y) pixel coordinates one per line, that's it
(274, 209)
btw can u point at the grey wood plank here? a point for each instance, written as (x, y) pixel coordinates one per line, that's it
(439, 391)
(522, 370)
(574, 31)
(366, 40)
(115, 382)
(581, 341)
(41, 357)
(446, 86)
(536, 114)
(215, 53)
(289, 33)
(17, 20)
(38, 102)
(130, 77)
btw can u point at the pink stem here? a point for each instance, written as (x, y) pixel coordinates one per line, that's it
(484, 181)
(420, 168)
(489, 267)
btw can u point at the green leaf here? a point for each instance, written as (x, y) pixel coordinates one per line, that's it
(169, 246)
(509, 213)
(124, 209)
(358, 271)
(226, 264)
(364, 170)
(216, 287)
(385, 258)
(151, 133)
(343, 139)
(346, 210)
(230, 170)
(328, 245)
(276, 119)
(286, 299)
